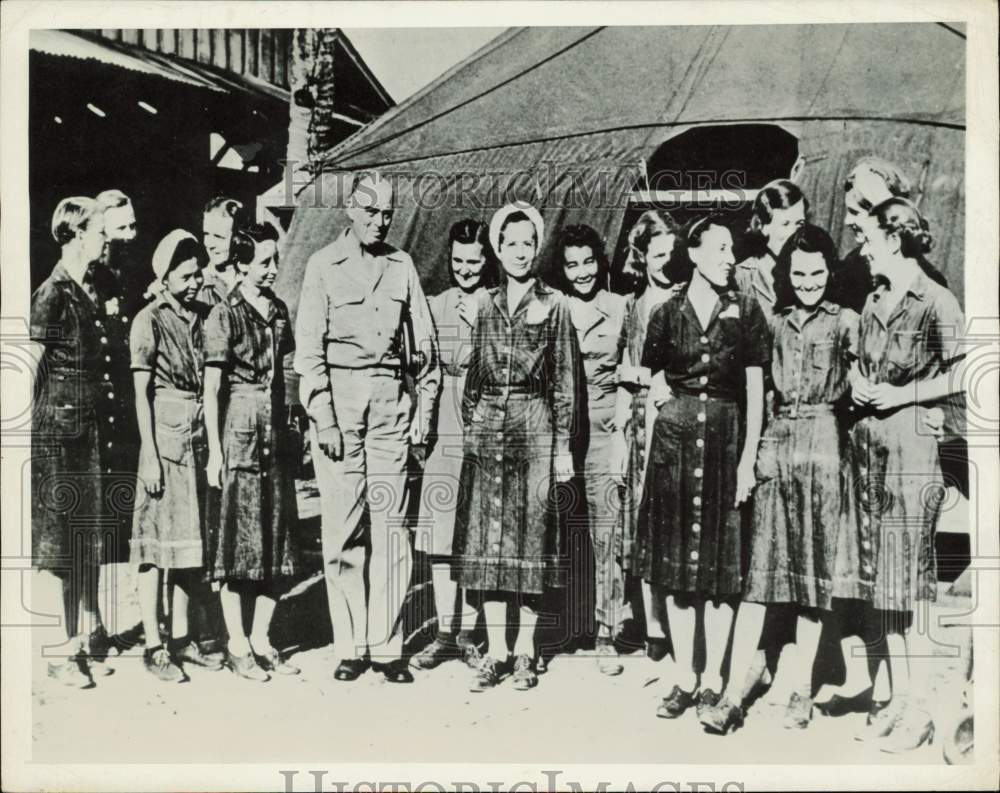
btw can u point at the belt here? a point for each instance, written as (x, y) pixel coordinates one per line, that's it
(236, 388)
(368, 371)
(806, 411)
(711, 397)
(177, 395)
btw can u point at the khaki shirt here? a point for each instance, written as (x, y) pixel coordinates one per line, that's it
(352, 315)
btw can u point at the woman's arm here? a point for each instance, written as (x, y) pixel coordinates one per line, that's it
(150, 470)
(565, 366)
(745, 477)
(213, 384)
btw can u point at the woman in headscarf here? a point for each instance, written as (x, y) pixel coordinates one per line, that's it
(517, 412)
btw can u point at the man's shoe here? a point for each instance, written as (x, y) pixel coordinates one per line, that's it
(95, 653)
(675, 703)
(72, 672)
(799, 712)
(274, 661)
(191, 653)
(394, 672)
(158, 662)
(350, 669)
(435, 654)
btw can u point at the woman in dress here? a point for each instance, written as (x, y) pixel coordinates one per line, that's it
(657, 256)
(801, 552)
(247, 337)
(169, 528)
(909, 360)
(75, 424)
(779, 210)
(709, 344)
(517, 413)
(582, 272)
(472, 268)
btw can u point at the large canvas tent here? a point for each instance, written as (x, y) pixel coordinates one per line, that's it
(572, 118)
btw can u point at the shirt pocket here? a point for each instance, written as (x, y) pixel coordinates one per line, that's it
(175, 443)
(904, 350)
(822, 354)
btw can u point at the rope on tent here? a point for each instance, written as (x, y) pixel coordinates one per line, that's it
(921, 183)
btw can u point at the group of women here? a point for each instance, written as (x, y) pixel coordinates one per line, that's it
(735, 439)
(750, 446)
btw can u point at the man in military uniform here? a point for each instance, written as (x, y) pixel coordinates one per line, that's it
(362, 322)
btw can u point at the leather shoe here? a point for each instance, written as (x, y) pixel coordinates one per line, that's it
(394, 672)
(350, 669)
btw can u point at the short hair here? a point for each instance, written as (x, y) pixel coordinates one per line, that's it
(466, 232)
(370, 175)
(896, 182)
(226, 207)
(243, 246)
(72, 215)
(579, 236)
(694, 231)
(808, 239)
(779, 194)
(112, 199)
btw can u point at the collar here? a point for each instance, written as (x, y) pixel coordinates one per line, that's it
(189, 315)
(499, 293)
(588, 314)
(347, 246)
(236, 297)
(791, 316)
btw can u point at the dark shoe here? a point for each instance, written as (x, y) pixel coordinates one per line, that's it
(706, 699)
(722, 717)
(95, 654)
(158, 662)
(435, 654)
(524, 676)
(608, 662)
(72, 672)
(273, 661)
(191, 653)
(841, 706)
(657, 648)
(246, 667)
(351, 669)
(129, 639)
(913, 728)
(488, 675)
(798, 714)
(394, 672)
(675, 703)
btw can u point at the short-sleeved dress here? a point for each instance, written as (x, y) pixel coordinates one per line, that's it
(253, 539)
(690, 535)
(517, 410)
(598, 323)
(443, 469)
(637, 313)
(167, 341)
(898, 487)
(83, 462)
(748, 279)
(803, 551)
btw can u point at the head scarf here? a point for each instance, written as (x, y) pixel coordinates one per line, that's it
(501, 215)
(164, 257)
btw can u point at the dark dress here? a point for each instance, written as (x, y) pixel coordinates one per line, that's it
(82, 465)
(518, 408)
(690, 536)
(802, 550)
(898, 486)
(167, 341)
(253, 537)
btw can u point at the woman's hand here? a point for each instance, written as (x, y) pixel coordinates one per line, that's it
(563, 467)
(885, 396)
(150, 471)
(746, 480)
(934, 422)
(618, 464)
(214, 469)
(861, 389)
(659, 392)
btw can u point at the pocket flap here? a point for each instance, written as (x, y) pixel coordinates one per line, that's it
(174, 444)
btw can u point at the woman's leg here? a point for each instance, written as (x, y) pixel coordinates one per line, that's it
(746, 638)
(149, 603)
(445, 596)
(654, 603)
(495, 610)
(681, 614)
(263, 611)
(718, 621)
(807, 632)
(525, 643)
(232, 613)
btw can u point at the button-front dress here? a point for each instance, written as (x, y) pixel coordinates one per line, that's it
(898, 488)
(443, 469)
(598, 323)
(517, 410)
(637, 314)
(691, 536)
(803, 551)
(253, 538)
(167, 341)
(82, 465)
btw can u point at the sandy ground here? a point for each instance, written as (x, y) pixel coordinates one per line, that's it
(576, 715)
